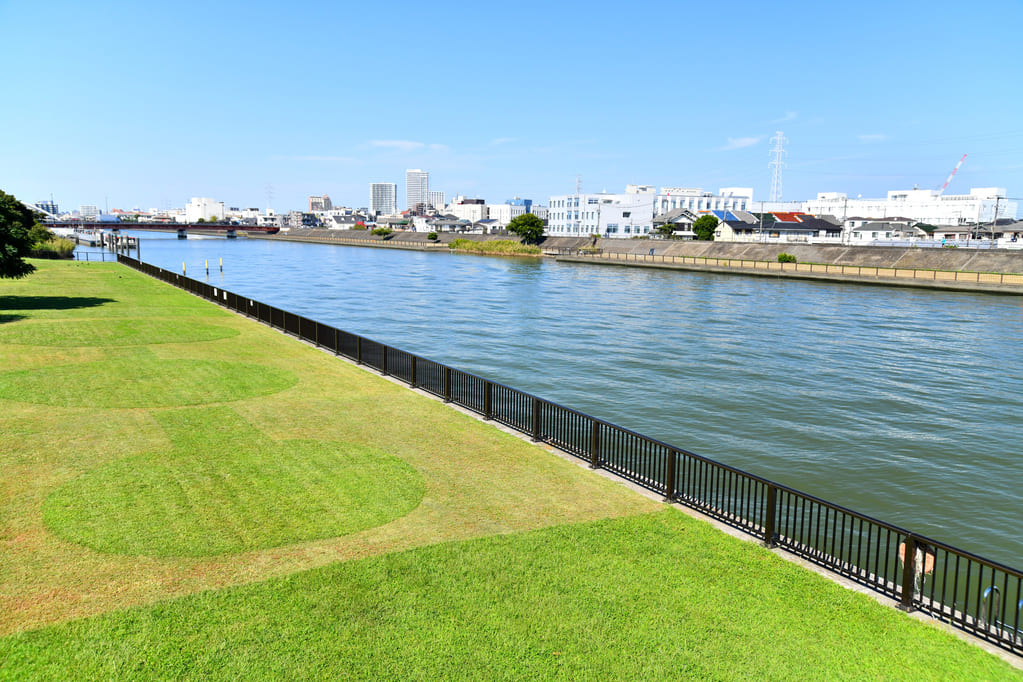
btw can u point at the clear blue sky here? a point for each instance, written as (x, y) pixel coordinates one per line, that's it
(150, 103)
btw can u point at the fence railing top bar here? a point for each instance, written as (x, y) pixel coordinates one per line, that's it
(811, 498)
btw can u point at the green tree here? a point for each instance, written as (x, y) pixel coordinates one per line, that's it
(704, 227)
(665, 230)
(212, 219)
(16, 221)
(39, 234)
(527, 226)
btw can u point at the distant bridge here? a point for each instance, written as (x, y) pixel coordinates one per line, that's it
(181, 228)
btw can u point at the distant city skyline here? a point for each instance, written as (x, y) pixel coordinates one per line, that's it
(881, 98)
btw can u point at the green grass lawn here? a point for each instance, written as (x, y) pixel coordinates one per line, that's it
(218, 500)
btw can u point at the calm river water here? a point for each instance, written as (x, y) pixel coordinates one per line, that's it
(903, 404)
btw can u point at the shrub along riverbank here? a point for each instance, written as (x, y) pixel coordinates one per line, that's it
(190, 494)
(501, 247)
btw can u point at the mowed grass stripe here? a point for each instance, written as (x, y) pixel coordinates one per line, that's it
(658, 596)
(106, 504)
(202, 498)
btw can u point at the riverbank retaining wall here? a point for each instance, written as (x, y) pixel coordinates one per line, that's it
(952, 260)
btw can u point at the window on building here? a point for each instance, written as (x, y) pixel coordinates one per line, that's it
(626, 214)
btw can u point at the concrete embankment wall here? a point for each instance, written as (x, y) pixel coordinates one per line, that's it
(962, 260)
(904, 266)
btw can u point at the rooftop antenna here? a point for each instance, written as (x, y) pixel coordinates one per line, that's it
(578, 184)
(779, 152)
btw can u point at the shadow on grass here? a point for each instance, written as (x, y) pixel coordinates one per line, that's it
(47, 303)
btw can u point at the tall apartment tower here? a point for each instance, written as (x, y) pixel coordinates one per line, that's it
(436, 200)
(383, 198)
(320, 203)
(417, 188)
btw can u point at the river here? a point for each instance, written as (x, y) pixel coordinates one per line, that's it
(900, 403)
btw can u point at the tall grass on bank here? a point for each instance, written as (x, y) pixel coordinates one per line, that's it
(504, 247)
(57, 247)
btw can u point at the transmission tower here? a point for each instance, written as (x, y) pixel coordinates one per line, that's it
(777, 164)
(269, 196)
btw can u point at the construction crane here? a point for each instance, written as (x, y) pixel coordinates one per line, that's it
(942, 190)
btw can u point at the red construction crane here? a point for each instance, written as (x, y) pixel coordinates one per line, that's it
(942, 190)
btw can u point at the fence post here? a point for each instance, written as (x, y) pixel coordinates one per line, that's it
(383, 359)
(669, 484)
(595, 445)
(412, 383)
(908, 574)
(770, 515)
(447, 384)
(358, 350)
(488, 400)
(536, 419)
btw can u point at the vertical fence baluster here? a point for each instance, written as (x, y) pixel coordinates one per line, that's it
(413, 383)
(770, 514)
(447, 384)
(595, 445)
(383, 359)
(536, 419)
(488, 400)
(669, 484)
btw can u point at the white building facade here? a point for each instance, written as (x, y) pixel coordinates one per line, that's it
(697, 201)
(632, 213)
(383, 198)
(921, 205)
(609, 215)
(504, 213)
(205, 208)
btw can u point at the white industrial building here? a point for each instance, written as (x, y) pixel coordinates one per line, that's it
(922, 205)
(205, 208)
(611, 215)
(632, 213)
(503, 214)
(696, 200)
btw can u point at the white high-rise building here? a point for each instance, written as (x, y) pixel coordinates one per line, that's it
(436, 199)
(383, 198)
(417, 188)
(88, 212)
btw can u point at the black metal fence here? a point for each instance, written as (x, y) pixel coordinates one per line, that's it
(980, 596)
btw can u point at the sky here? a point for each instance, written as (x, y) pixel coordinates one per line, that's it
(147, 104)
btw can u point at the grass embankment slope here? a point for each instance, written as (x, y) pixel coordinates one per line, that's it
(188, 494)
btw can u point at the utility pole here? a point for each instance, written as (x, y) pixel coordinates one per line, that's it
(994, 221)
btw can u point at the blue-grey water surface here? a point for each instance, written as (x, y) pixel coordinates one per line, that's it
(900, 403)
